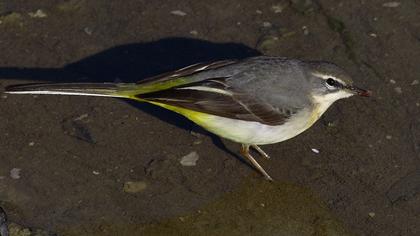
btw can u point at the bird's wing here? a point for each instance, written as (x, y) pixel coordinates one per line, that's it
(186, 71)
(180, 77)
(214, 96)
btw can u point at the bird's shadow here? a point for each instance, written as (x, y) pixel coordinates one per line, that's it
(137, 61)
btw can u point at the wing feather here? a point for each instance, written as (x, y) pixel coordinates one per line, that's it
(186, 71)
(216, 97)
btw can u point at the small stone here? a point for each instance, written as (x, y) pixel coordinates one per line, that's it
(259, 12)
(88, 30)
(15, 173)
(389, 137)
(81, 117)
(392, 81)
(373, 35)
(4, 96)
(391, 4)
(31, 144)
(278, 8)
(95, 172)
(314, 150)
(266, 24)
(195, 134)
(288, 34)
(398, 90)
(178, 13)
(262, 204)
(190, 159)
(197, 141)
(305, 30)
(418, 104)
(134, 186)
(38, 14)
(415, 82)
(372, 214)
(194, 32)
(332, 123)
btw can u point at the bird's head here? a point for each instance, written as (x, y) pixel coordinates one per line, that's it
(330, 83)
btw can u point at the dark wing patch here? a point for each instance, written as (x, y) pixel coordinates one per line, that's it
(215, 97)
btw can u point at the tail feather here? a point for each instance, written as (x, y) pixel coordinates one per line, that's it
(82, 89)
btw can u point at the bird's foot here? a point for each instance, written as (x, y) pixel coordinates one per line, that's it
(245, 153)
(260, 151)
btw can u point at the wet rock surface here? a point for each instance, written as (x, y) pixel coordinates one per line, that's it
(74, 167)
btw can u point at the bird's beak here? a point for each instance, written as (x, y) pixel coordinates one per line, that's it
(358, 91)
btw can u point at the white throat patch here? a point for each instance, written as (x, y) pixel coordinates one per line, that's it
(325, 101)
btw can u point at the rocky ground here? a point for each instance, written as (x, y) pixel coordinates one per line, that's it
(98, 166)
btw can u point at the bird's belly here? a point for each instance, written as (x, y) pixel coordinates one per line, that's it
(248, 132)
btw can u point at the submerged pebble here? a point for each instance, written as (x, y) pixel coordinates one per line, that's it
(391, 4)
(38, 14)
(266, 24)
(178, 13)
(278, 8)
(134, 186)
(398, 90)
(190, 159)
(15, 173)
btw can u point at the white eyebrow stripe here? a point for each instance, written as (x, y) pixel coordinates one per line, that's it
(327, 76)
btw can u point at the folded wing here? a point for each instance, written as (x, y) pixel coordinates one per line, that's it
(214, 96)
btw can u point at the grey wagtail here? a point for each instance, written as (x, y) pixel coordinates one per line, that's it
(254, 101)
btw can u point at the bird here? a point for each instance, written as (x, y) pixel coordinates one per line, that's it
(252, 101)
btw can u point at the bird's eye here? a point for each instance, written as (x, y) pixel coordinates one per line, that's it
(331, 83)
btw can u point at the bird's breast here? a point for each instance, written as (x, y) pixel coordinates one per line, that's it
(250, 132)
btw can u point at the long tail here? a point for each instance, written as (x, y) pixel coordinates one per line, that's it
(128, 90)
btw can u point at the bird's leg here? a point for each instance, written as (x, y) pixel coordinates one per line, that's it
(260, 151)
(245, 153)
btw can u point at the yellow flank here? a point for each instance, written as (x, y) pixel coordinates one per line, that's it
(315, 114)
(195, 116)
